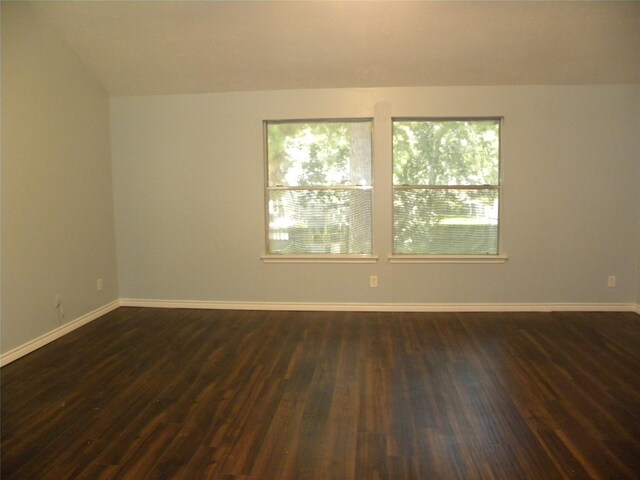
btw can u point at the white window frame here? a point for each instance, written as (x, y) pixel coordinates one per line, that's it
(498, 257)
(269, 257)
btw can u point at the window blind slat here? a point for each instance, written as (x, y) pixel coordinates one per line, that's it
(319, 221)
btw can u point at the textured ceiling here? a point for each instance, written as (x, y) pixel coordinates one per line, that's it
(164, 47)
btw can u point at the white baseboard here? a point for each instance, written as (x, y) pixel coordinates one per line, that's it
(382, 307)
(36, 343)
(42, 340)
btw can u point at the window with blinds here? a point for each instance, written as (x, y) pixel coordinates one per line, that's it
(319, 187)
(446, 186)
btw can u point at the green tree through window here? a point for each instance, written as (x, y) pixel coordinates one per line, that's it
(319, 187)
(446, 186)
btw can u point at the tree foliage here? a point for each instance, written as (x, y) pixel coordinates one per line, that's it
(309, 154)
(429, 155)
(309, 157)
(445, 152)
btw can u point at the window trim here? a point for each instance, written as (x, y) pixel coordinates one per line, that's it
(269, 257)
(499, 257)
(320, 258)
(427, 258)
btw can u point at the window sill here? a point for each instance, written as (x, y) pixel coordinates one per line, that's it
(320, 258)
(448, 258)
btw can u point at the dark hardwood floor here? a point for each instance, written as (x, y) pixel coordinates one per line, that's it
(203, 394)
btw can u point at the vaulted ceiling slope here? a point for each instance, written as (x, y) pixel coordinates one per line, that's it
(167, 47)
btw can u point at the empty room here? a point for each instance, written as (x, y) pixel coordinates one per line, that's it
(316, 240)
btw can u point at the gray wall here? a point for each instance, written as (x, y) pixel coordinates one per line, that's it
(57, 203)
(189, 200)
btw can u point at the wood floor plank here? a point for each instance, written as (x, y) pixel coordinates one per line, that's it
(149, 394)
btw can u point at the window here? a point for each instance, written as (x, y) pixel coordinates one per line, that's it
(446, 186)
(319, 187)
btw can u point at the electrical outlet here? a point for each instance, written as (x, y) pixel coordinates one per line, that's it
(99, 285)
(373, 281)
(611, 281)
